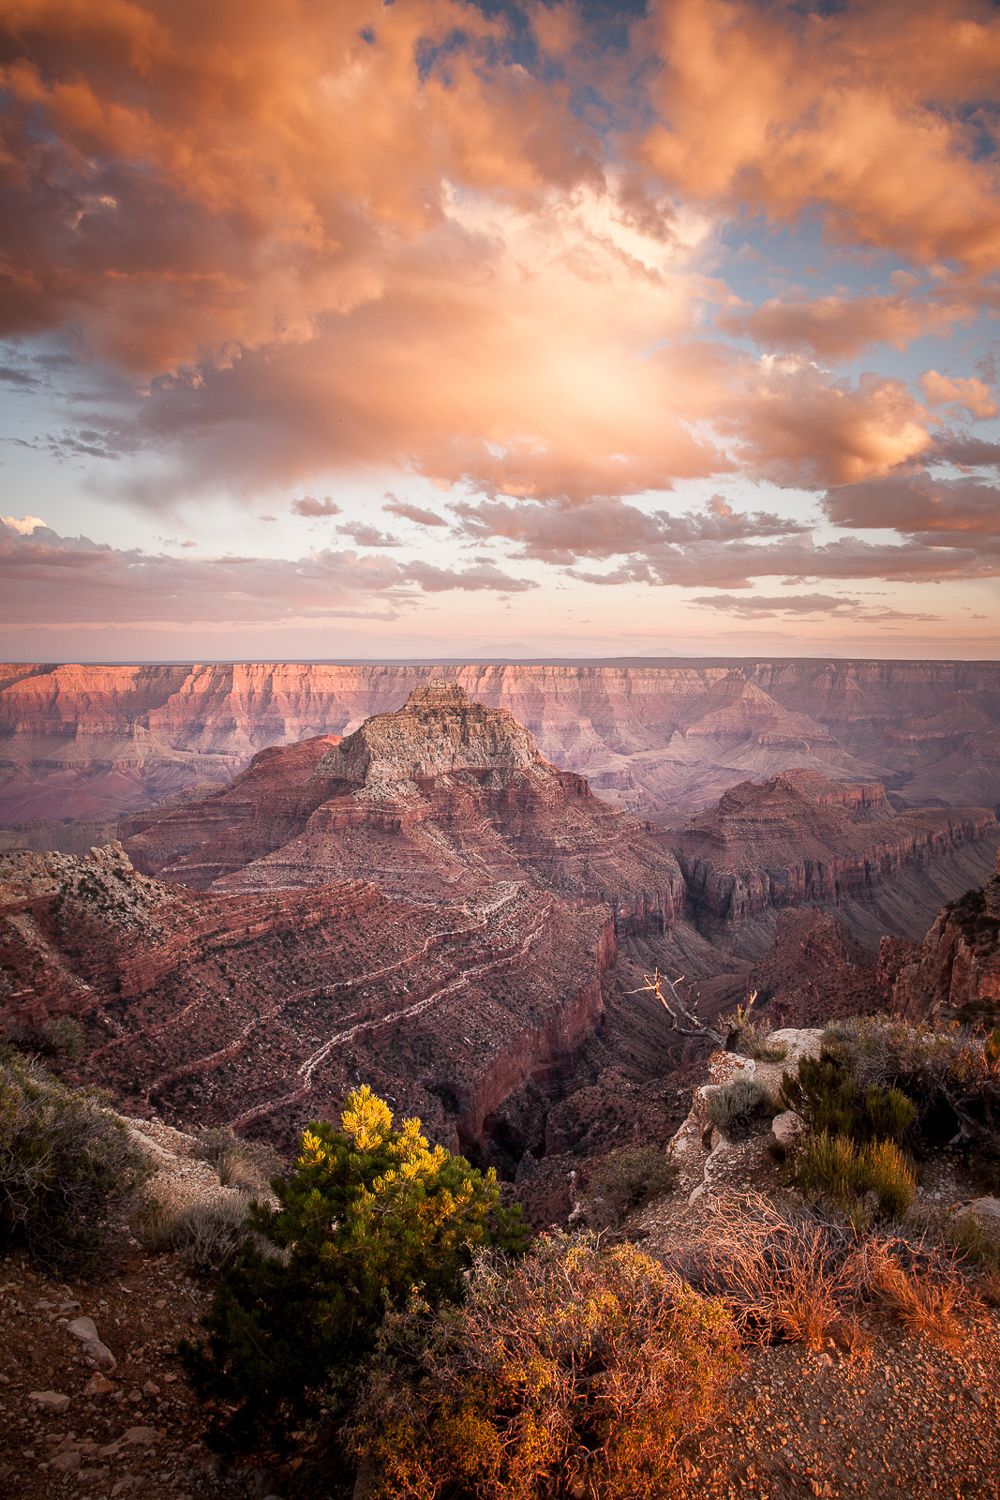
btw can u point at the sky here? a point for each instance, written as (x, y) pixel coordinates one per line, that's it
(478, 330)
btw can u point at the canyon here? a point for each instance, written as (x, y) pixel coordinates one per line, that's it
(660, 739)
(429, 905)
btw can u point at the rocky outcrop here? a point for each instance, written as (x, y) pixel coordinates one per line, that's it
(262, 1010)
(954, 975)
(815, 972)
(432, 803)
(93, 742)
(799, 839)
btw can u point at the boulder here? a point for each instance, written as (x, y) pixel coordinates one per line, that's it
(787, 1127)
(85, 1329)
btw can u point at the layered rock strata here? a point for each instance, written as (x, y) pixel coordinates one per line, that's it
(261, 1010)
(801, 840)
(93, 742)
(431, 803)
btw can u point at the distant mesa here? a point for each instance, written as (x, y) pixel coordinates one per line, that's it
(802, 840)
(433, 803)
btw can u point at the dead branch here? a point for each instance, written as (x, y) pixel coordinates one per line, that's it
(682, 1019)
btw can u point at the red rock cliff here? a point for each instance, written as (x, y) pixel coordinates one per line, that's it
(955, 973)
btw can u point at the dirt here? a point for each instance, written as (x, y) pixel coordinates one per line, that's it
(141, 1312)
(914, 1420)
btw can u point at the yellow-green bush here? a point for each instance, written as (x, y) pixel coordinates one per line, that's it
(845, 1172)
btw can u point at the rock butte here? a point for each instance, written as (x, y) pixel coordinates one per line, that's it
(657, 738)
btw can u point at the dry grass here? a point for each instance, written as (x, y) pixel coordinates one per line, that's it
(786, 1273)
(206, 1232)
(935, 1306)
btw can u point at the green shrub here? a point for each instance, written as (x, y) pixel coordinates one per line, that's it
(623, 1181)
(734, 1108)
(827, 1095)
(575, 1372)
(69, 1170)
(836, 1167)
(368, 1214)
(60, 1037)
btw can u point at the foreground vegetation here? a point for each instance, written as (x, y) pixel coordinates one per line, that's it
(385, 1302)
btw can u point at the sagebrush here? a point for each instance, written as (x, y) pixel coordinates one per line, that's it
(69, 1170)
(575, 1372)
(734, 1107)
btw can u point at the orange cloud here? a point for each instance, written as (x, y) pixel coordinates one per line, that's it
(972, 394)
(350, 236)
(841, 327)
(866, 113)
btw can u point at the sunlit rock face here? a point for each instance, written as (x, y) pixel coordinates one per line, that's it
(660, 740)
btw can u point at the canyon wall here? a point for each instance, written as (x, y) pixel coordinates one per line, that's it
(954, 974)
(658, 739)
(799, 840)
(262, 1010)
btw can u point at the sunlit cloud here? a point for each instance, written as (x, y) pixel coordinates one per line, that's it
(273, 264)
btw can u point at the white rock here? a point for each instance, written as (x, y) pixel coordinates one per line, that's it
(85, 1330)
(983, 1208)
(787, 1127)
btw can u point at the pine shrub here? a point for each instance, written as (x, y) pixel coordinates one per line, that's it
(369, 1213)
(826, 1093)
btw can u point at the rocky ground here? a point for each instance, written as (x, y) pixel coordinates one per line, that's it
(907, 1416)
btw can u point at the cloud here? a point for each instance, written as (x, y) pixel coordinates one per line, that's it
(483, 576)
(367, 536)
(25, 526)
(62, 580)
(838, 328)
(308, 506)
(804, 604)
(866, 112)
(948, 511)
(972, 394)
(800, 425)
(797, 559)
(408, 512)
(605, 527)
